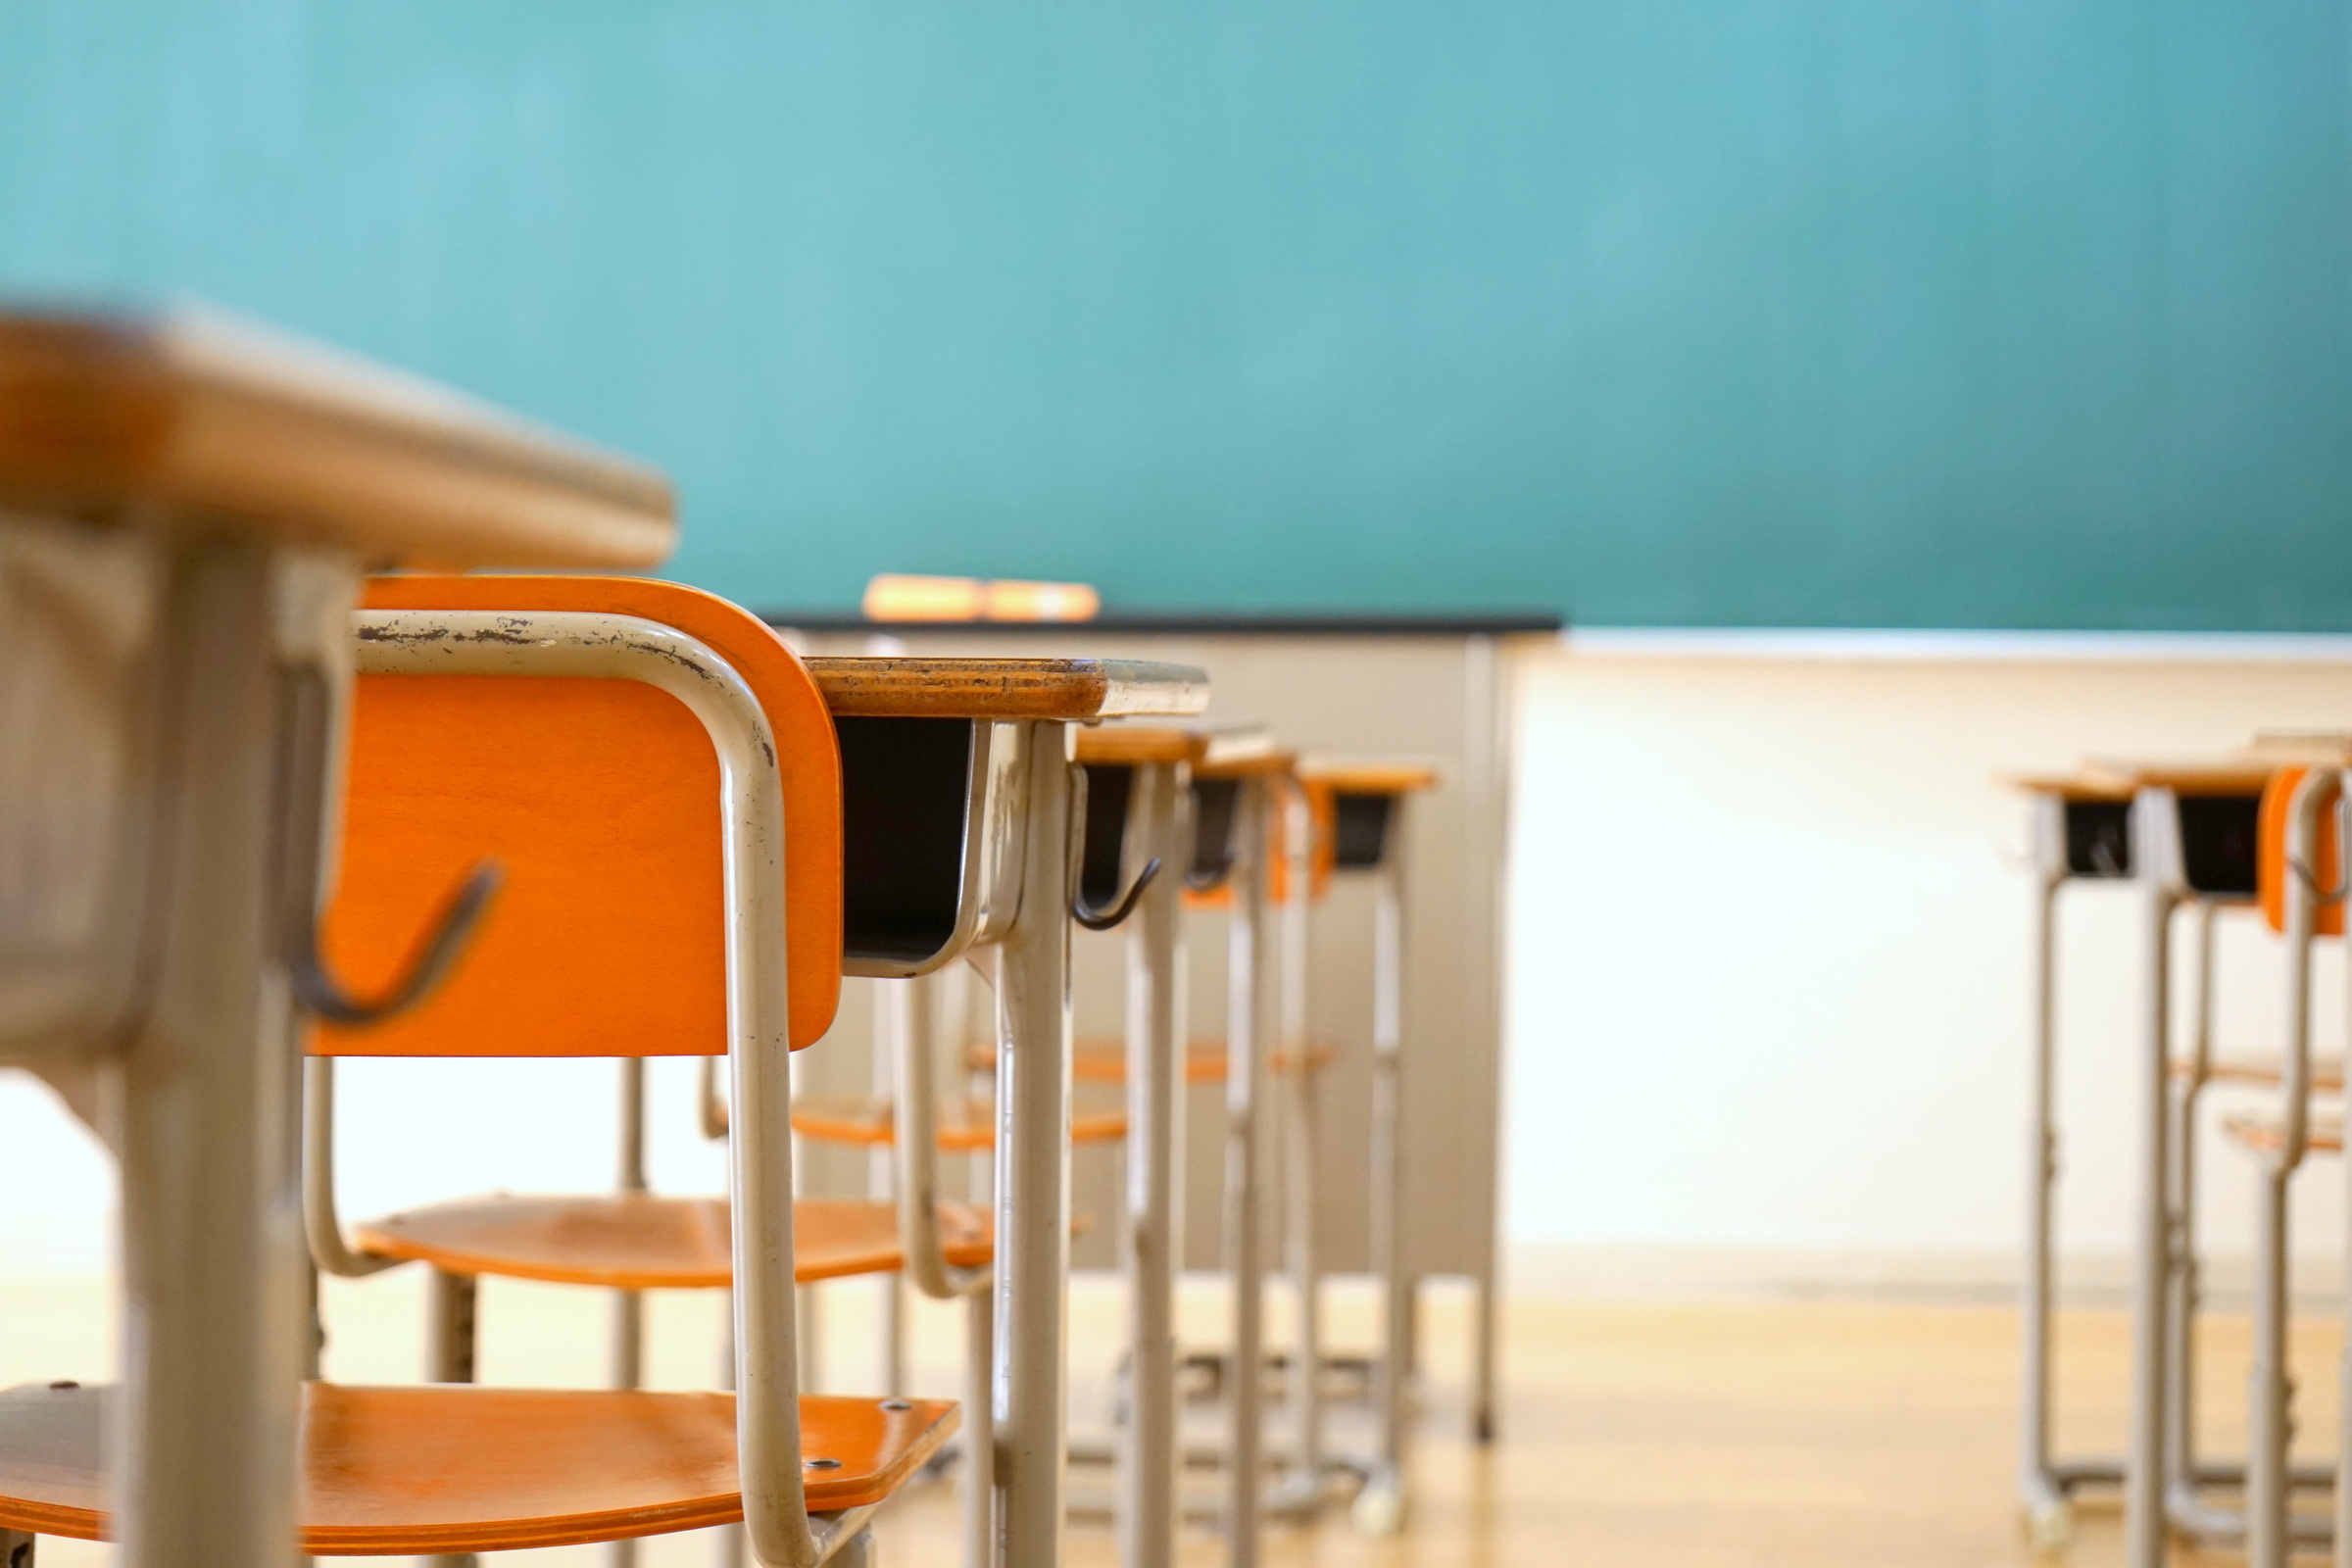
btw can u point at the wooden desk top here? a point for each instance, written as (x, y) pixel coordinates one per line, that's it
(203, 421)
(2069, 786)
(1369, 778)
(1215, 746)
(1132, 745)
(1067, 689)
(2221, 775)
(1253, 764)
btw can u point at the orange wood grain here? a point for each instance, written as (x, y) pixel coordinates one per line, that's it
(2068, 786)
(600, 799)
(1103, 1059)
(2264, 1132)
(188, 418)
(1007, 688)
(965, 1125)
(644, 1242)
(2327, 1072)
(1128, 745)
(2228, 776)
(1368, 778)
(1247, 765)
(455, 1468)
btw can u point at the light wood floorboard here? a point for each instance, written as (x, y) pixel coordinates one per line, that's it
(1698, 1434)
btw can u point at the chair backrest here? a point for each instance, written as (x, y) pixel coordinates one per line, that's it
(601, 801)
(2272, 871)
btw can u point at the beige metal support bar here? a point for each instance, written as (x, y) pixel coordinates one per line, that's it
(1247, 1032)
(1033, 1172)
(1147, 1505)
(777, 1519)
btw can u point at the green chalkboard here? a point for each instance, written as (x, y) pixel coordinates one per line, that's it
(1936, 312)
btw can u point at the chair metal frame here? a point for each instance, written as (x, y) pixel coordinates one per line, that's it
(779, 1530)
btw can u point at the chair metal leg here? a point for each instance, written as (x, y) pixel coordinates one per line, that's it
(450, 1327)
(856, 1552)
(451, 1333)
(2342, 1511)
(979, 1436)
(1155, 1231)
(1033, 1173)
(1487, 1332)
(811, 1339)
(2041, 1498)
(625, 1349)
(2155, 858)
(2184, 1506)
(728, 1548)
(2271, 1388)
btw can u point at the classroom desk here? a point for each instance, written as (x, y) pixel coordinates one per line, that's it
(1437, 690)
(2194, 839)
(930, 874)
(186, 505)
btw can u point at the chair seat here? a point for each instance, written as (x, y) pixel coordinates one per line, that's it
(965, 1126)
(2264, 1131)
(450, 1467)
(2326, 1073)
(1103, 1059)
(642, 1241)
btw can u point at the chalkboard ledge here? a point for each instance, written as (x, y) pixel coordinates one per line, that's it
(1198, 623)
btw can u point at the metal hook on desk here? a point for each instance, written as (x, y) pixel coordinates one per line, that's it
(323, 996)
(1208, 881)
(1102, 918)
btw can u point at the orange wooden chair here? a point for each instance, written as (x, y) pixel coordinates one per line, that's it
(655, 775)
(632, 1240)
(2301, 877)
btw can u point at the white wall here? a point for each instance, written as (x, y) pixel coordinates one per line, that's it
(1770, 949)
(1768, 965)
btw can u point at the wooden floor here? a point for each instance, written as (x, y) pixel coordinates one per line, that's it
(1691, 1434)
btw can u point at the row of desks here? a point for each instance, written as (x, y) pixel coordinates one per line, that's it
(192, 505)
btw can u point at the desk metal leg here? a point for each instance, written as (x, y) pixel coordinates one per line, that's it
(2155, 858)
(1302, 1493)
(2048, 1521)
(212, 1313)
(627, 1337)
(1033, 1172)
(1155, 989)
(1247, 1006)
(890, 1322)
(1381, 1506)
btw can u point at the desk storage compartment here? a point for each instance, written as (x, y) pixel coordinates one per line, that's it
(78, 608)
(2098, 838)
(2221, 839)
(1359, 830)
